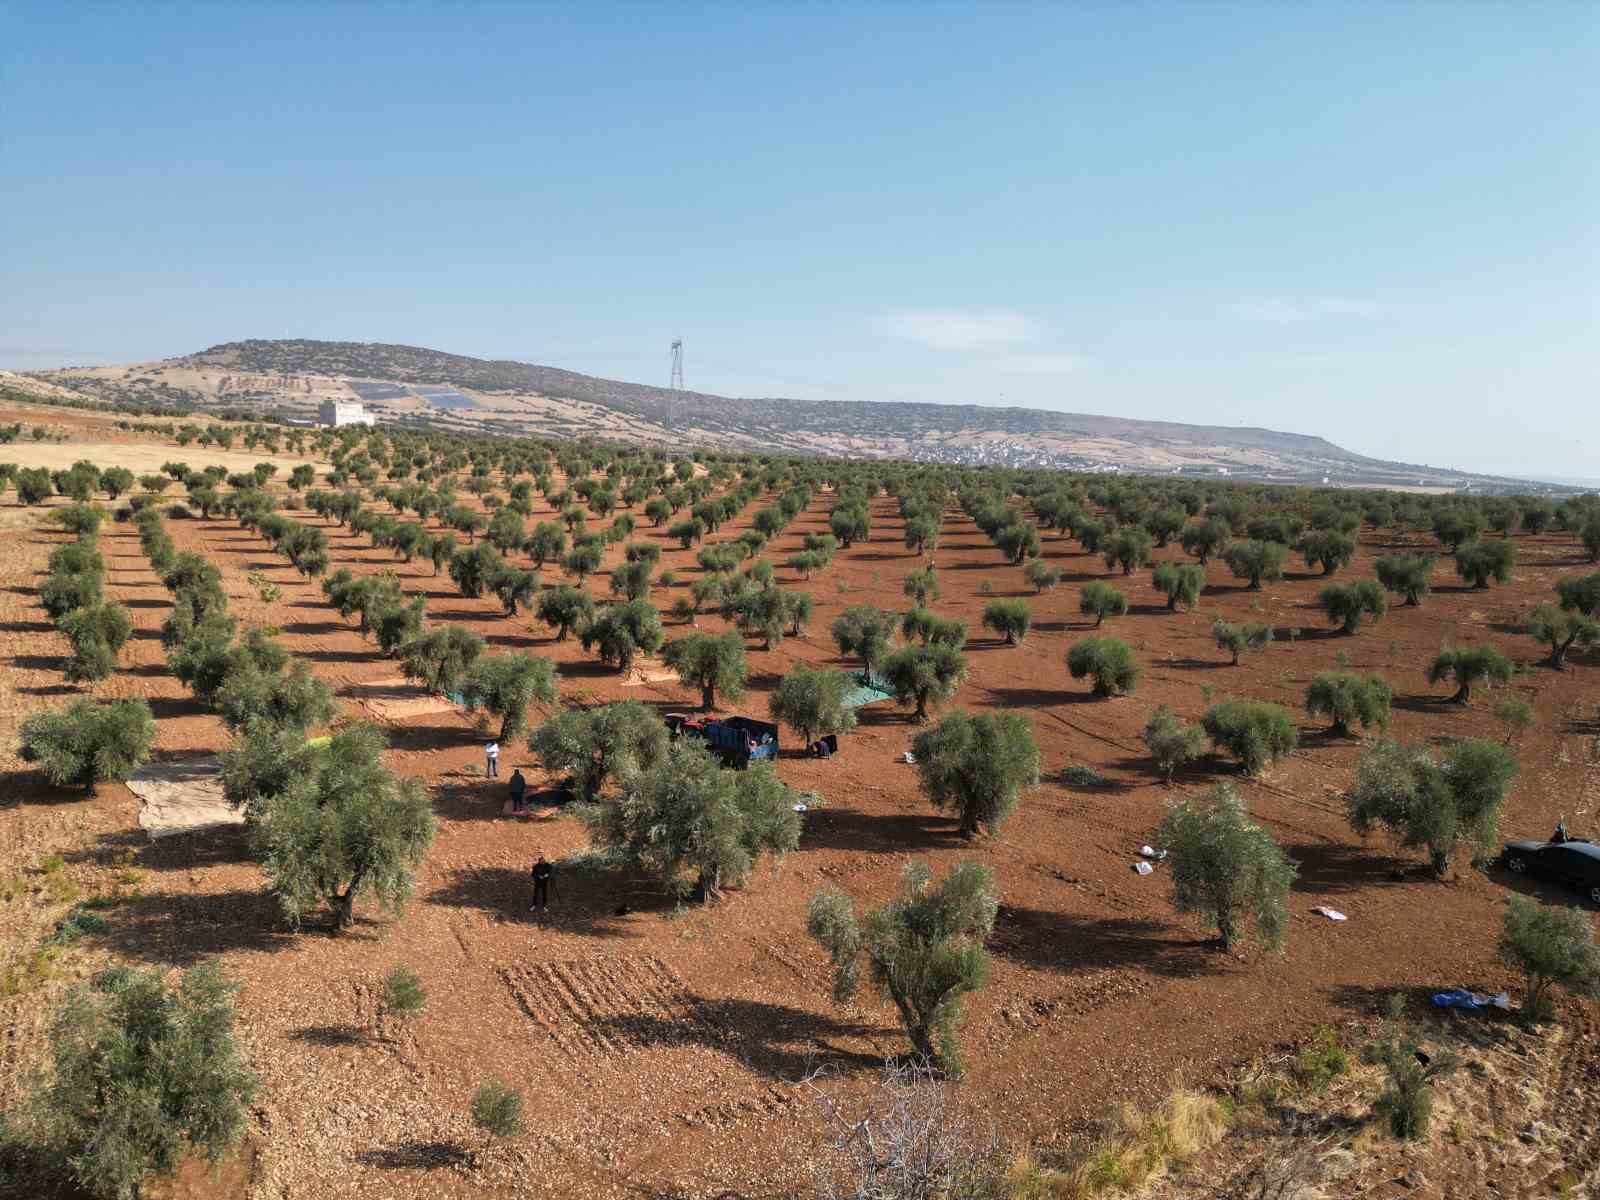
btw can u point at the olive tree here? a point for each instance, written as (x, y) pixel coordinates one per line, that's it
(1009, 618)
(1347, 603)
(142, 1074)
(1227, 869)
(1580, 593)
(1180, 583)
(85, 742)
(923, 675)
(865, 632)
(1171, 741)
(1205, 540)
(713, 663)
(594, 745)
(1407, 575)
(1108, 661)
(1345, 697)
(924, 950)
(294, 698)
(922, 586)
(1552, 946)
(344, 828)
(977, 766)
(1242, 639)
(1101, 600)
(1256, 561)
(1468, 665)
(619, 633)
(1480, 561)
(1128, 548)
(1562, 630)
(813, 701)
(689, 813)
(1255, 732)
(1041, 574)
(504, 685)
(440, 658)
(1328, 549)
(565, 609)
(1430, 802)
(97, 633)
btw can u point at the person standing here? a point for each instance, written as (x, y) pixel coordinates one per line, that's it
(543, 872)
(491, 756)
(519, 790)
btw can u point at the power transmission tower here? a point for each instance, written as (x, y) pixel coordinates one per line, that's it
(677, 365)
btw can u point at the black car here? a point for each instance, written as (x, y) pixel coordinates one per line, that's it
(1572, 862)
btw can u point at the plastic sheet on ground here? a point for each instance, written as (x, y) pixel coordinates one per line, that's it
(182, 797)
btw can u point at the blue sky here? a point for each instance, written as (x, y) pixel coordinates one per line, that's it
(1374, 223)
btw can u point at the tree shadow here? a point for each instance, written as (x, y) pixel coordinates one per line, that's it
(39, 662)
(314, 627)
(25, 627)
(1066, 942)
(1043, 697)
(852, 829)
(48, 689)
(583, 901)
(1423, 703)
(1325, 868)
(166, 708)
(423, 738)
(340, 656)
(331, 1035)
(778, 1041)
(185, 928)
(415, 1154)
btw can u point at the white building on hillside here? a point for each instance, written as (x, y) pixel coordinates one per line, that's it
(344, 412)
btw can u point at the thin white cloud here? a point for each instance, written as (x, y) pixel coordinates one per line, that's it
(1038, 364)
(1295, 312)
(959, 328)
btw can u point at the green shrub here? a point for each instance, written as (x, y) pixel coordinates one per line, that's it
(403, 993)
(1321, 1061)
(1255, 732)
(497, 1110)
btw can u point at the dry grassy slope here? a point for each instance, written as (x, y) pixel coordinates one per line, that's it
(524, 398)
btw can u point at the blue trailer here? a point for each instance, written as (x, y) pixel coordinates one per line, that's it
(737, 741)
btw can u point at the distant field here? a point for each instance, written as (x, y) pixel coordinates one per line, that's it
(142, 458)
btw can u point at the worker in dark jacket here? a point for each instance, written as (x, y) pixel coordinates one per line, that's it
(519, 790)
(543, 872)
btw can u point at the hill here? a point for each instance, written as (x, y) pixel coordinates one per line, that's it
(414, 384)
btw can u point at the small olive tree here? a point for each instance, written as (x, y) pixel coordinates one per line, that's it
(1172, 743)
(564, 609)
(1239, 640)
(1562, 630)
(924, 675)
(1255, 732)
(84, 743)
(1009, 618)
(1227, 869)
(1469, 665)
(1101, 600)
(866, 633)
(1552, 946)
(1347, 603)
(440, 658)
(924, 949)
(1429, 802)
(1407, 575)
(1106, 660)
(1480, 561)
(977, 766)
(1345, 697)
(1256, 561)
(1180, 583)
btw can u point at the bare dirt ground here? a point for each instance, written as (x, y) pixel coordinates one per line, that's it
(659, 1047)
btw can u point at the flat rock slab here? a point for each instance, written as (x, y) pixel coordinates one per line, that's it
(649, 670)
(398, 699)
(182, 797)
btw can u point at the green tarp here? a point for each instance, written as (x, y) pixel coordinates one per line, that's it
(869, 689)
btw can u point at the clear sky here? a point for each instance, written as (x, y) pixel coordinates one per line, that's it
(1375, 223)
